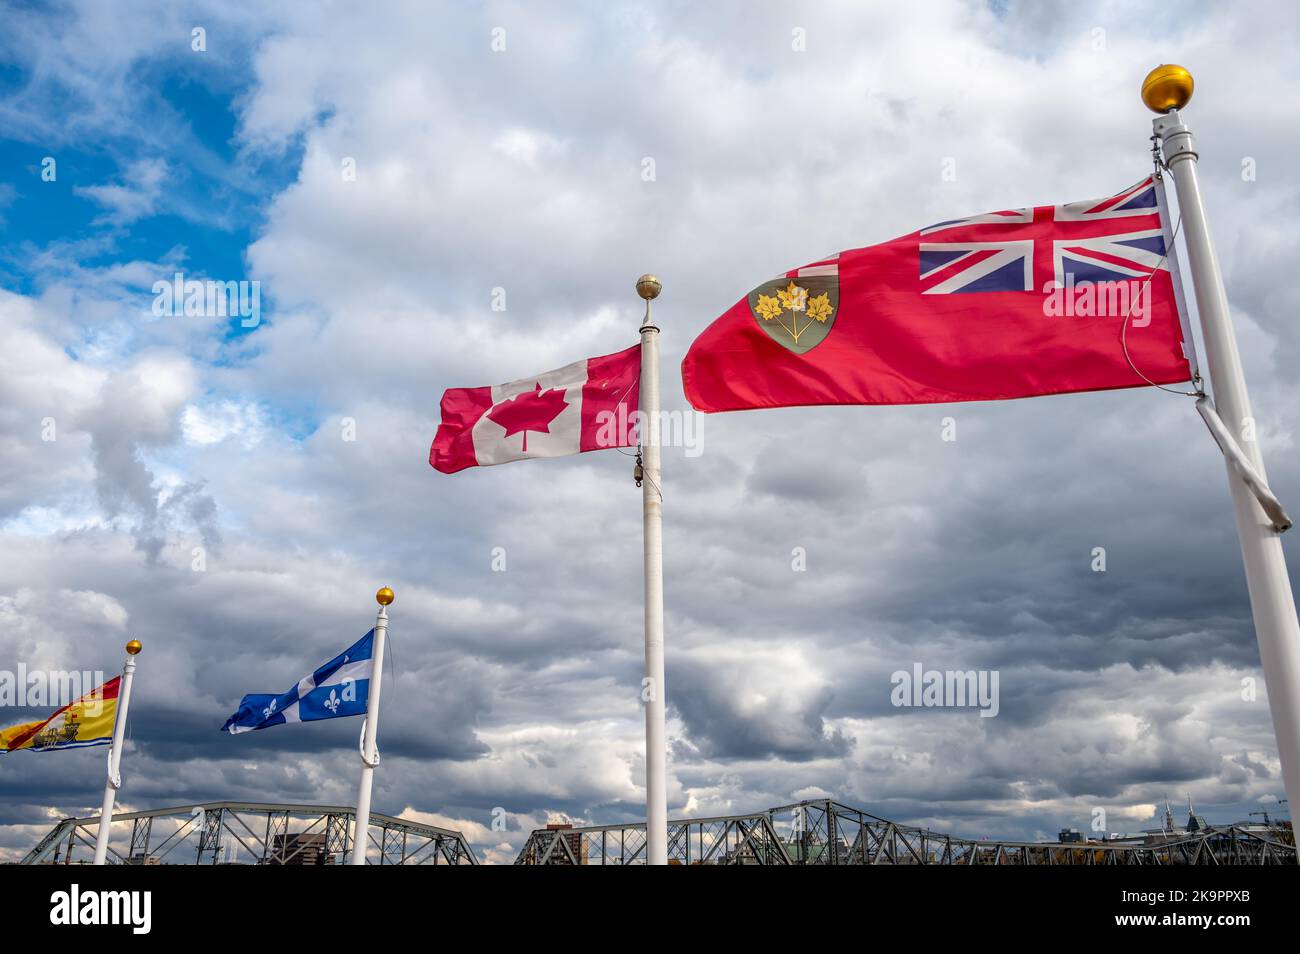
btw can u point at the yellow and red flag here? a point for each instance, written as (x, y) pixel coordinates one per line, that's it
(85, 721)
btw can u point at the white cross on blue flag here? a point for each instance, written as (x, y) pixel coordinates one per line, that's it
(337, 689)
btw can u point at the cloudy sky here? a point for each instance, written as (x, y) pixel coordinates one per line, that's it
(505, 146)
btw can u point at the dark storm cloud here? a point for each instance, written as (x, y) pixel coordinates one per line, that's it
(721, 722)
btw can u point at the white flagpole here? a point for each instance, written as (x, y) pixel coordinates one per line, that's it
(656, 783)
(1166, 90)
(369, 731)
(115, 753)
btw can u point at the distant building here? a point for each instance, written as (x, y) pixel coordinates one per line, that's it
(815, 850)
(1195, 823)
(1152, 837)
(577, 842)
(300, 848)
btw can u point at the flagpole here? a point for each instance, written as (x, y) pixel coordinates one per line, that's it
(115, 753)
(1166, 90)
(369, 732)
(656, 784)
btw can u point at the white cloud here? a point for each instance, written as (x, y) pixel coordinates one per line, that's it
(215, 422)
(135, 197)
(526, 146)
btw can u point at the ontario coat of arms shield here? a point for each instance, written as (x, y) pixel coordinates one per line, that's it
(797, 313)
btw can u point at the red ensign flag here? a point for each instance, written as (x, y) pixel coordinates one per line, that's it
(1006, 305)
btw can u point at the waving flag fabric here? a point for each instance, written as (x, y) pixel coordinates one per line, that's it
(337, 689)
(1009, 304)
(585, 406)
(83, 722)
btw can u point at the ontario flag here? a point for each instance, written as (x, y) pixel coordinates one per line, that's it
(585, 406)
(1010, 304)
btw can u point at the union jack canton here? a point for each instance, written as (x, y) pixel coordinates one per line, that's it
(1101, 240)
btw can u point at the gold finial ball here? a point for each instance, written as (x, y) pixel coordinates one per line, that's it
(133, 647)
(1167, 87)
(384, 596)
(648, 287)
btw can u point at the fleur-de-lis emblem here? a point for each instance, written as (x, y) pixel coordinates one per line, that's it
(269, 710)
(333, 702)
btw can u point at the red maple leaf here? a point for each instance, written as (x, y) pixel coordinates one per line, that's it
(529, 411)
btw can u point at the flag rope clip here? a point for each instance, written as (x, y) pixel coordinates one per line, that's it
(362, 747)
(1242, 465)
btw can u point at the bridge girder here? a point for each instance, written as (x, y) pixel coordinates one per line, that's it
(252, 833)
(826, 832)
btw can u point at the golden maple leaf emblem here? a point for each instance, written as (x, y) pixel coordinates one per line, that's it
(768, 307)
(798, 313)
(820, 307)
(794, 297)
(791, 301)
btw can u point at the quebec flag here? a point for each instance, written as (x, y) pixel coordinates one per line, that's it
(337, 689)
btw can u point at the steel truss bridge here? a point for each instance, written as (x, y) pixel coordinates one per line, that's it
(828, 833)
(257, 833)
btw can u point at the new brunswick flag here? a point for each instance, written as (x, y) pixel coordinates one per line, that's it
(86, 721)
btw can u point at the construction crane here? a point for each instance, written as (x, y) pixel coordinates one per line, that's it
(1267, 822)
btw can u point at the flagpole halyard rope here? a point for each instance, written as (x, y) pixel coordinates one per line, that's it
(1237, 459)
(1123, 333)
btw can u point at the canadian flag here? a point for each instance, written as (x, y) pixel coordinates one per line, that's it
(585, 406)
